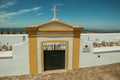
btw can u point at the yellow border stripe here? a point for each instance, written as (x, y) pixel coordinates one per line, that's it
(76, 52)
(66, 53)
(33, 55)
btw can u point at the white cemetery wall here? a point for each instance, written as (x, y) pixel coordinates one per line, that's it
(99, 55)
(18, 64)
(70, 39)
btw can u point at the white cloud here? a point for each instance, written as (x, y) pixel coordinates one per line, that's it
(5, 16)
(11, 14)
(7, 5)
(39, 14)
(36, 8)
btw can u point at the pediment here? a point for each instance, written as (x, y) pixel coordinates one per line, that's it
(55, 26)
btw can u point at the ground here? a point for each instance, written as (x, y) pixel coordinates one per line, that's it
(105, 72)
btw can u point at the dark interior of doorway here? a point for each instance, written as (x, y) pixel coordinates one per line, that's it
(54, 59)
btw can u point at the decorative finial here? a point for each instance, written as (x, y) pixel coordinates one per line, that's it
(55, 11)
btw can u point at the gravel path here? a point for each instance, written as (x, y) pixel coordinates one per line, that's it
(106, 72)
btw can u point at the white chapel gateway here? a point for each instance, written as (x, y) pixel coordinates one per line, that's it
(56, 46)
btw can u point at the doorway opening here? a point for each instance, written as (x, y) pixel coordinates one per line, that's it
(54, 55)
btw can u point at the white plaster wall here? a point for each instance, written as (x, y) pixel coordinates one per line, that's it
(39, 39)
(19, 63)
(88, 59)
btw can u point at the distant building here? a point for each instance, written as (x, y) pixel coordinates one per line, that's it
(17, 32)
(10, 32)
(4, 32)
(13, 31)
(23, 32)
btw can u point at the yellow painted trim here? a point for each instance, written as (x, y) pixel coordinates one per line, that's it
(42, 54)
(66, 55)
(55, 21)
(33, 55)
(42, 58)
(76, 51)
(50, 35)
(54, 30)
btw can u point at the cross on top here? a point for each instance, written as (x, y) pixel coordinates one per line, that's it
(55, 11)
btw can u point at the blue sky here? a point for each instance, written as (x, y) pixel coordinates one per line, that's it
(95, 14)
